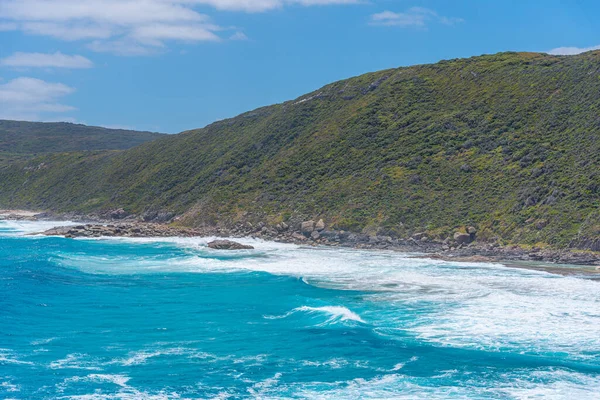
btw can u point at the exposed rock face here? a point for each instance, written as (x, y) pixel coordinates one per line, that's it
(228, 245)
(117, 214)
(307, 227)
(298, 237)
(462, 238)
(472, 231)
(320, 225)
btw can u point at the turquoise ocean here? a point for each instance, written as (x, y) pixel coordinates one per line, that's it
(172, 319)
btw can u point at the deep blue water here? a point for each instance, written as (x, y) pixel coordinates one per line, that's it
(137, 319)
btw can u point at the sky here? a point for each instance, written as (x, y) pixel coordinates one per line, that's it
(173, 65)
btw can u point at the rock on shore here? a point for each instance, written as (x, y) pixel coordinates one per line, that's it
(228, 245)
(120, 230)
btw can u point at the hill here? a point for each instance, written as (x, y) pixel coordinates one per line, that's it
(509, 143)
(19, 139)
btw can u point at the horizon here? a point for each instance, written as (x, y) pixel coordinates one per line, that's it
(142, 66)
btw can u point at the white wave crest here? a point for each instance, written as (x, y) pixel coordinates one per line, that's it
(335, 313)
(20, 228)
(124, 392)
(75, 361)
(8, 356)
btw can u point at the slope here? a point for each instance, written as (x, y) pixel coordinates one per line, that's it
(507, 142)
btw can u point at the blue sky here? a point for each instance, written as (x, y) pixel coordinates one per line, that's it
(172, 65)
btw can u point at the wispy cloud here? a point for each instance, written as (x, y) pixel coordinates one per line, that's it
(416, 17)
(238, 36)
(8, 26)
(131, 27)
(45, 60)
(266, 5)
(31, 99)
(571, 51)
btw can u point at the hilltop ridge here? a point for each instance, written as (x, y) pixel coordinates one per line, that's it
(22, 139)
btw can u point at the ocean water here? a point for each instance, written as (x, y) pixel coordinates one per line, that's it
(172, 319)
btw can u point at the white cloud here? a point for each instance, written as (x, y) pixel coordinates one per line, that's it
(30, 99)
(44, 60)
(155, 34)
(69, 31)
(238, 36)
(132, 27)
(571, 51)
(417, 17)
(122, 47)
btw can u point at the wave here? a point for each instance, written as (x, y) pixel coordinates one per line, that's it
(473, 305)
(124, 392)
(75, 361)
(20, 228)
(119, 380)
(40, 342)
(8, 356)
(10, 387)
(335, 313)
(551, 384)
(140, 357)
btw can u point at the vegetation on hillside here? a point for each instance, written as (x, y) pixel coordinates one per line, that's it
(509, 143)
(19, 139)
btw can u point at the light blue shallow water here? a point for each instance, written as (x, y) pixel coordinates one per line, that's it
(162, 319)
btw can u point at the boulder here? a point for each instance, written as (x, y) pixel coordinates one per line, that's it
(315, 235)
(228, 245)
(320, 225)
(117, 214)
(329, 234)
(307, 227)
(462, 238)
(298, 237)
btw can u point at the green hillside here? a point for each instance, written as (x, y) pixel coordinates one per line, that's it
(19, 138)
(507, 142)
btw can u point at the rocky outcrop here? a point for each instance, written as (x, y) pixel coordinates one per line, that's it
(120, 230)
(319, 226)
(228, 245)
(497, 253)
(118, 214)
(462, 238)
(307, 227)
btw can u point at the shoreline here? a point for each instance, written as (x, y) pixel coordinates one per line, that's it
(18, 214)
(513, 255)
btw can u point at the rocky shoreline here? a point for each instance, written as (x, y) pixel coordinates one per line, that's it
(462, 247)
(135, 230)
